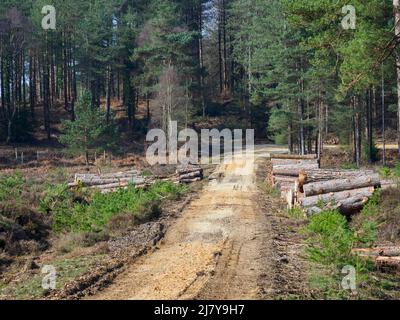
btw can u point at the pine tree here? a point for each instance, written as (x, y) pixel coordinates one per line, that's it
(89, 131)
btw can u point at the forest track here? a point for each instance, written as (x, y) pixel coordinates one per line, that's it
(220, 248)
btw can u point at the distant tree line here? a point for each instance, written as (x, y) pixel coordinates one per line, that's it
(288, 66)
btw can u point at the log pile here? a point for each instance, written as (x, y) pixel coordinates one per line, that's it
(285, 173)
(384, 257)
(305, 185)
(109, 182)
(189, 173)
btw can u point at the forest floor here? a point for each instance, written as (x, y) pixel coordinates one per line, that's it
(229, 243)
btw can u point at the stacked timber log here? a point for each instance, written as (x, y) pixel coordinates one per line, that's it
(384, 257)
(188, 173)
(109, 182)
(346, 190)
(304, 185)
(285, 173)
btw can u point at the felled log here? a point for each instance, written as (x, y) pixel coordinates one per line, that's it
(293, 156)
(350, 205)
(184, 169)
(278, 179)
(293, 170)
(388, 184)
(191, 180)
(346, 206)
(191, 175)
(97, 182)
(376, 252)
(392, 262)
(311, 176)
(293, 162)
(312, 189)
(127, 174)
(335, 197)
(284, 185)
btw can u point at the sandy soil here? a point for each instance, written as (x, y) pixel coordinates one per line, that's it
(220, 248)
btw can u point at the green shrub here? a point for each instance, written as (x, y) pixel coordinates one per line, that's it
(373, 154)
(331, 239)
(385, 172)
(72, 212)
(349, 166)
(397, 170)
(11, 186)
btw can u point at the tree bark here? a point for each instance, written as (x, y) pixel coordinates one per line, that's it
(294, 156)
(336, 197)
(317, 188)
(108, 94)
(396, 5)
(293, 171)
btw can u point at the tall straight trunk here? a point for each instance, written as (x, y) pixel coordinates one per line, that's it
(118, 86)
(2, 88)
(23, 80)
(65, 74)
(320, 128)
(221, 81)
(309, 136)
(232, 70)
(225, 56)
(148, 111)
(201, 59)
(326, 120)
(52, 77)
(369, 125)
(73, 85)
(129, 98)
(71, 71)
(357, 130)
(108, 94)
(46, 93)
(17, 80)
(32, 84)
(40, 78)
(11, 97)
(290, 138)
(396, 5)
(250, 71)
(374, 107)
(383, 121)
(302, 145)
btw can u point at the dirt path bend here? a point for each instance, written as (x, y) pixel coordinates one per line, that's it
(215, 250)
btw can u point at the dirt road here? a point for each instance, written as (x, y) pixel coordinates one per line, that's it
(217, 249)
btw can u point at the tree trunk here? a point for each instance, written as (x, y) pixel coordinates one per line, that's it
(357, 136)
(383, 121)
(221, 81)
(65, 74)
(293, 156)
(32, 84)
(336, 197)
(108, 95)
(46, 94)
(396, 5)
(2, 88)
(317, 188)
(311, 176)
(294, 170)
